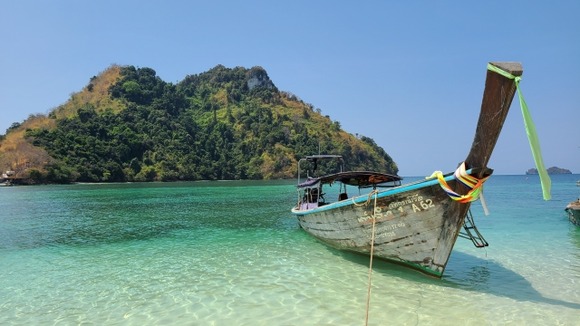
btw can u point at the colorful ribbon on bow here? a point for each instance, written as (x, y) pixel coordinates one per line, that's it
(474, 184)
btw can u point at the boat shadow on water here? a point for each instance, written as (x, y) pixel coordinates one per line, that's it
(466, 272)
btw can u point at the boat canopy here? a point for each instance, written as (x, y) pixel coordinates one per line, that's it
(359, 179)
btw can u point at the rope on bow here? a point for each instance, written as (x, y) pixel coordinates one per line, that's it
(474, 184)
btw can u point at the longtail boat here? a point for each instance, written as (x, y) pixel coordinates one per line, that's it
(415, 224)
(573, 210)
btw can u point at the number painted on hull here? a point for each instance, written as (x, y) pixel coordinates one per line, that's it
(399, 208)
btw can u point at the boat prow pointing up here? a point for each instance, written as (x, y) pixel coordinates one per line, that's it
(415, 224)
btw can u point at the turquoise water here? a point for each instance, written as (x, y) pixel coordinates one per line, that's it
(230, 253)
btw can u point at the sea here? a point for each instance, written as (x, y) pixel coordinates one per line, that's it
(231, 253)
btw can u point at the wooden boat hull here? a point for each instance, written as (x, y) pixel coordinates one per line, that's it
(573, 210)
(411, 224)
(416, 224)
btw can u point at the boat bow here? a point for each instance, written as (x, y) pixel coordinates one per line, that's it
(416, 224)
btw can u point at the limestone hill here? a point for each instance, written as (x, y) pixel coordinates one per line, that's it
(127, 124)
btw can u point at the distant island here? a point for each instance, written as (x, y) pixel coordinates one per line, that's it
(552, 170)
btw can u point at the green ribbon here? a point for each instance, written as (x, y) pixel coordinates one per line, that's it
(531, 131)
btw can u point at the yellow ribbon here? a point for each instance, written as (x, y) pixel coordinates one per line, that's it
(474, 184)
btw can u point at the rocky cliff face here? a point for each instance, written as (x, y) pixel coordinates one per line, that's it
(258, 77)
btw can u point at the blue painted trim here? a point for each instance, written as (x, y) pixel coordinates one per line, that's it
(363, 198)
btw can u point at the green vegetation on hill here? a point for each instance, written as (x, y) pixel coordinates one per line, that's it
(221, 124)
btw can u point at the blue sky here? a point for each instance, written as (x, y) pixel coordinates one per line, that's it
(409, 74)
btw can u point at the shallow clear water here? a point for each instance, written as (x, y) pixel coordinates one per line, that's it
(230, 253)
